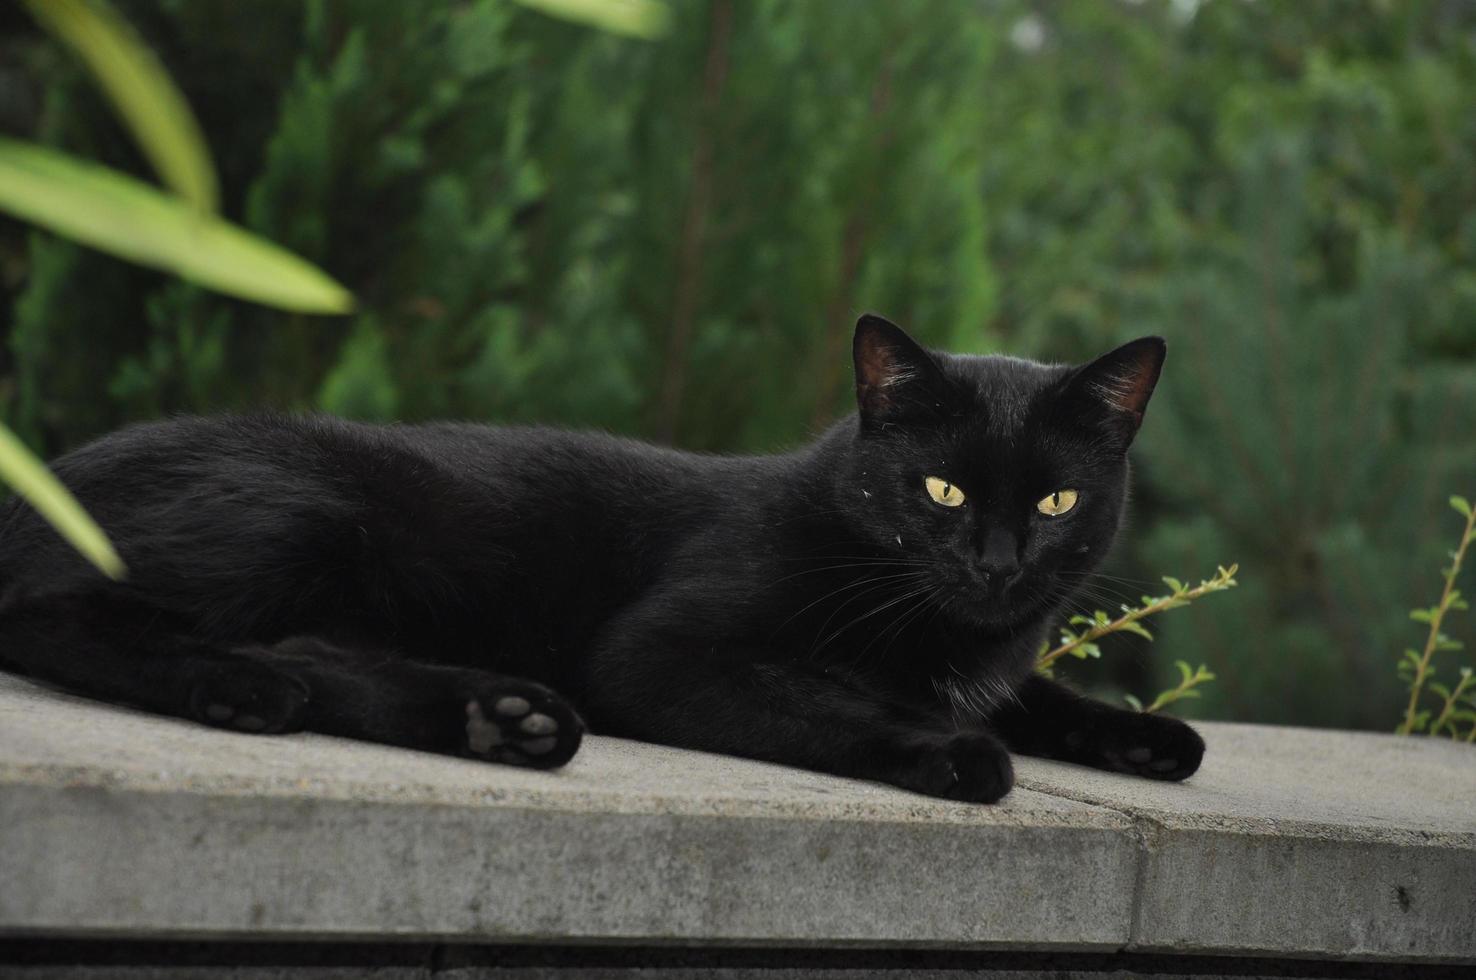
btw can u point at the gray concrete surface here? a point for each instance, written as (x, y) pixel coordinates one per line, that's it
(1288, 842)
(195, 972)
(1294, 839)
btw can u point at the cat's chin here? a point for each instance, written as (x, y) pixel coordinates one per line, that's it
(1006, 615)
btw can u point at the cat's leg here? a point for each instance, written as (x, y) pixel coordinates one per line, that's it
(108, 645)
(654, 685)
(382, 697)
(1055, 722)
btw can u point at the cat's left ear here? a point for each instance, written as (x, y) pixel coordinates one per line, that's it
(1116, 386)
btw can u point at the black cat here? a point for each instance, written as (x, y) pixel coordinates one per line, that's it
(869, 605)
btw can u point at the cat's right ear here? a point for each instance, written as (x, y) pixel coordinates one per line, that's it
(895, 378)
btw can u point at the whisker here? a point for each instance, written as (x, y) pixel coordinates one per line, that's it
(1080, 574)
(876, 580)
(897, 625)
(867, 615)
(875, 587)
(877, 558)
(836, 568)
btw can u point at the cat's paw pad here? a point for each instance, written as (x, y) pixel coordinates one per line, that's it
(522, 724)
(1153, 746)
(972, 767)
(248, 697)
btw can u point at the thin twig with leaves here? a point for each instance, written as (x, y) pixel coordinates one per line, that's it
(1417, 667)
(1080, 635)
(1084, 644)
(1189, 679)
(1459, 706)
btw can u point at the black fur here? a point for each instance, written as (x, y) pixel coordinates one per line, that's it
(432, 586)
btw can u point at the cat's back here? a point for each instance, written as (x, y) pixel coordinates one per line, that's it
(586, 464)
(164, 490)
(196, 456)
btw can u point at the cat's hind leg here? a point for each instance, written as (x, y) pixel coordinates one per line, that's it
(106, 644)
(454, 710)
(109, 645)
(228, 691)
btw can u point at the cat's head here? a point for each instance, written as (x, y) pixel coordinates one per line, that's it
(1006, 478)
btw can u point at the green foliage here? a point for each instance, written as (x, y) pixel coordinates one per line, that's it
(1082, 643)
(1080, 635)
(34, 481)
(130, 219)
(1457, 708)
(141, 91)
(671, 239)
(1283, 192)
(112, 211)
(118, 214)
(1189, 679)
(127, 218)
(1417, 667)
(361, 384)
(637, 18)
(547, 224)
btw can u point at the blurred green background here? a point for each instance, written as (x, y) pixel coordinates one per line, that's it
(543, 222)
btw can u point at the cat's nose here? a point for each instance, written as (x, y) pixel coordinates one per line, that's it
(999, 558)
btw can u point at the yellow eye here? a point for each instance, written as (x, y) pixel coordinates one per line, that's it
(1057, 503)
(944, 492)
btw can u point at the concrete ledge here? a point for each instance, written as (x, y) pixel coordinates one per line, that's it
(1289, 842)
(1296, 841)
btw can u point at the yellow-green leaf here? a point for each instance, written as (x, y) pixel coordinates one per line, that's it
(132, 220)
(32, 480)
(646, 19)
(140, 89)
(1138, 628)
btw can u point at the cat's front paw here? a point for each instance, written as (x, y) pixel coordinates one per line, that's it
(522, 724)
(970, 766)
(1153, 746)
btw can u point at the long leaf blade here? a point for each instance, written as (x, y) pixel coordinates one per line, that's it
(32, 480)
(132, 220)
(140, 89)
(646, 19)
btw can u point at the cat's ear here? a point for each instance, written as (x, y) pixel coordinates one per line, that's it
(1115, 388)
(895, 378)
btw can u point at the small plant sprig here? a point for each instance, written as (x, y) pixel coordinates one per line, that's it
(1416, 667)
(1190, 678)
(1080, 634)
(1459, 706)
(1083, 645)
